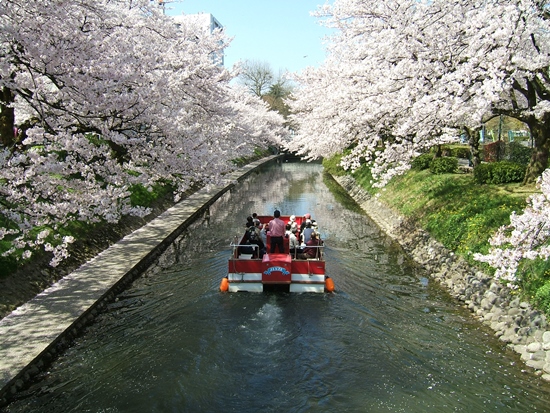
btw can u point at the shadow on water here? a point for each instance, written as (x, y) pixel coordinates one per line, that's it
(388, 340)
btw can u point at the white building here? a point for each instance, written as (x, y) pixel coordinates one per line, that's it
(205, 21)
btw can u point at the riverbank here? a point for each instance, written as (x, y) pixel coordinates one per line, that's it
(524, 329)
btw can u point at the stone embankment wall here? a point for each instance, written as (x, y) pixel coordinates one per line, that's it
(515, 322)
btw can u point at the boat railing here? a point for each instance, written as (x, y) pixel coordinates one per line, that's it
(235, 245)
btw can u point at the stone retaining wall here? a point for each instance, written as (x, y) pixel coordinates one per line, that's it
(515, 322)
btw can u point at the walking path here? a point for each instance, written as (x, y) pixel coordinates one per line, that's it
(30, 334)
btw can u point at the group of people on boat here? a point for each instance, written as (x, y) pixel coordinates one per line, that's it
(304, 240)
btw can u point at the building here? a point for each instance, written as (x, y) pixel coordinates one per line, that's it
(205, 21)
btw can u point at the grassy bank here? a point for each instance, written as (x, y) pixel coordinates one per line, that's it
(460, 214)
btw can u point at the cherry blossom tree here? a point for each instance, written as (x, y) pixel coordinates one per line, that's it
(403, 76)
(107, 94)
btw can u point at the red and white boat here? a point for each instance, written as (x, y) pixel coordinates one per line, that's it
(277, 271)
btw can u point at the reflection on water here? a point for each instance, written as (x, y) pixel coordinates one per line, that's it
(388, 340)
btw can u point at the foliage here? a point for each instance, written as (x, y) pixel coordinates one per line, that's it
(443, 165)
(499, 173)
(142, 196)
(518, 153)
(333, 165)
(363, 177)
(542, 297)
(422, 161)
(258, 154)
(482, 173)
(460, 151)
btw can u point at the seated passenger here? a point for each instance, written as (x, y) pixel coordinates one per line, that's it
(249, 222)
(292, 222)
(293, 243)
(287, 230)
(311, 250)
(307, 231)
(316, 229)
(304, 220)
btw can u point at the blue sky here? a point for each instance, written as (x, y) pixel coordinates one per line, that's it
(280, 32)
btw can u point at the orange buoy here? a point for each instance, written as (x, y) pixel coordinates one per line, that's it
(224, 285)
(329, 284)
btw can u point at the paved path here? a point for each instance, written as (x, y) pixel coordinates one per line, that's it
(29, 331)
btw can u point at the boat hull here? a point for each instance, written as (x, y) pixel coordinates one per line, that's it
(257, 275)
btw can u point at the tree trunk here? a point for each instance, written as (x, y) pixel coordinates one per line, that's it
(540, 133)
(473, 141)
(7, 118)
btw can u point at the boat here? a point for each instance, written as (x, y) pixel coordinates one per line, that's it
(250, 270)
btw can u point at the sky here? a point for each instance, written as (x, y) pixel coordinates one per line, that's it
(279, 32)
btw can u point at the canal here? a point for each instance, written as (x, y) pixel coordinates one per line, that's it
(388, 340)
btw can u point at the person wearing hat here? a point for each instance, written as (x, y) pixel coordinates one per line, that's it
(304, 220)
(277, 231)
(292, 222)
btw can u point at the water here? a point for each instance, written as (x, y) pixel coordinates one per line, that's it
(388, 340)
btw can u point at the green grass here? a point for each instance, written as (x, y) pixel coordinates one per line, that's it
(457, 212)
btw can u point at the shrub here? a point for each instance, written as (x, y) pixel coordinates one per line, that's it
(499, 173)
(505, 172)
(482, 173)
(518, 153)
(422, 162)
(443, 165)
(462, 152)
(542, 298)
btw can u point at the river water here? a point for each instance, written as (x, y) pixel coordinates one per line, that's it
(388, 339)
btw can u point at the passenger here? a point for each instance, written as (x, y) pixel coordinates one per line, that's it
(311, 250)
(307, 231)
(288, 227)
(255, 218)
(316, 229)
(277, 231)
(293, 243)
(263, 232)
(249, 222)
(304, 220)
(254, 238)
(292, 222)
